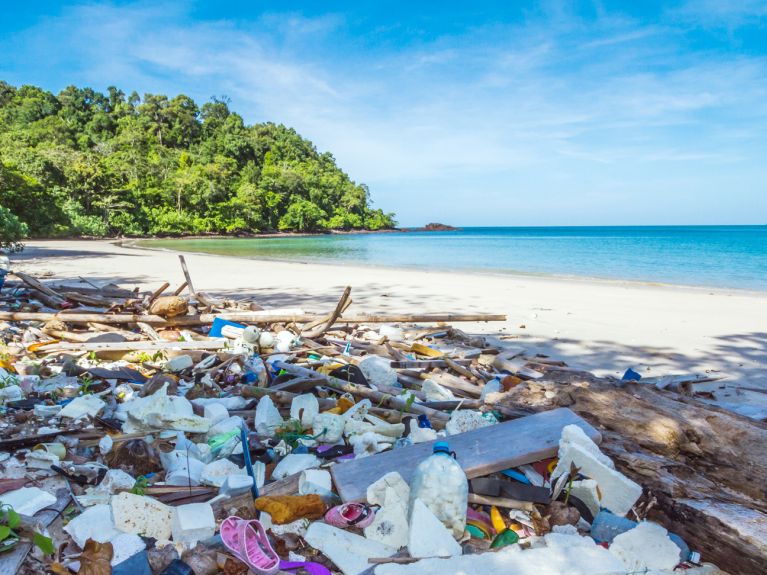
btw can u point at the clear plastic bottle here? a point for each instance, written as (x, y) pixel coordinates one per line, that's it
(441, 484)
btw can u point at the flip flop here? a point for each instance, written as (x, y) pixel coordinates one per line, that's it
(248, 541)
(230, 535)
(351, 515)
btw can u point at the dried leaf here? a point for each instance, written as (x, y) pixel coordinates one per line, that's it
(95, 558)
(58, 569)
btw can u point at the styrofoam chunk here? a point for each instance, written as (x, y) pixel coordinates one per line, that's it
(390, 525)
(295, 463)
(593, 560)
(350, 552)
(93, 523)
(428, 536)
(89, 405)
(125, 546)
(378, 371)
(217, 471)
(27, 500)
(141, 515)
(619, 493)
(378, 493)
(268, 417)
(645, 547)
(436, 392)
(192, 522)
(215, 412)
(305, 408)
(586, 491)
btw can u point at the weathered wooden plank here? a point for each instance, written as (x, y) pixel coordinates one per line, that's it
(479, 452)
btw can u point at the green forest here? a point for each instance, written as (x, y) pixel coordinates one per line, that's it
(86, 163)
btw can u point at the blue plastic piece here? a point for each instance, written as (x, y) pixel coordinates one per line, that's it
(248, 463)
(218, 325)
(518, 475)
(607, 526)
(631, 375)
(423, 421)
(137, 564)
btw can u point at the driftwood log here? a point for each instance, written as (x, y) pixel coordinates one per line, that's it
(704, 469)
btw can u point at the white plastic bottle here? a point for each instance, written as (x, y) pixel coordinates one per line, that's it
(441, 484)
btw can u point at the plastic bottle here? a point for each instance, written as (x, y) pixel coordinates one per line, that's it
(441, 484)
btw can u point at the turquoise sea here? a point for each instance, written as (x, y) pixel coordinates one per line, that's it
(716, 256)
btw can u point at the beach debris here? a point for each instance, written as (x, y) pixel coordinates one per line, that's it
(323, 435)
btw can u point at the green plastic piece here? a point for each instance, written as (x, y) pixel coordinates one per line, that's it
(504, 539)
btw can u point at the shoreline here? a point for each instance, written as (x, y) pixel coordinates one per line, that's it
(518, 274)
(601, 326)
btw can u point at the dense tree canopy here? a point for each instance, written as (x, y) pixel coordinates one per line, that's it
(87, 163)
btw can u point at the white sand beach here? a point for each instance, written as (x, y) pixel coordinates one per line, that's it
(601, 326)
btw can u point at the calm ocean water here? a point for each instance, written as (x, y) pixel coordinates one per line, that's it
(719, 256)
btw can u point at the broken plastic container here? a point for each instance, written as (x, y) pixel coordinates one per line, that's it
(441, 484)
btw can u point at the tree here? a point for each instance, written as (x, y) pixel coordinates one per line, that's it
(303, 216)
(12, 231)
(89, 163)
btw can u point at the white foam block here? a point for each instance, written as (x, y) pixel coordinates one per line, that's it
(141, 516)
(192, 522)
(93, 523)
(428, 536)
(390, 525)
(576, 560)
(125, 546)
(645, 547)
(27, 500)
(348, 551)
(619, 493)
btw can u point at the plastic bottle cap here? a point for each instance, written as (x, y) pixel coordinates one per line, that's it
(441, 447)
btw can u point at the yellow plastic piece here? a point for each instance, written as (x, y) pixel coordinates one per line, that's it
(497, 520)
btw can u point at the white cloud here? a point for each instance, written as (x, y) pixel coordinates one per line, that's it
(505, 110)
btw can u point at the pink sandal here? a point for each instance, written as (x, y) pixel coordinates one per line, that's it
(248, 541)
(351, 515)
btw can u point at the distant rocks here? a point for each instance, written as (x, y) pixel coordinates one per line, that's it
(436, 227)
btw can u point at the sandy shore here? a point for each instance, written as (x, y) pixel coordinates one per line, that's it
(601, 326)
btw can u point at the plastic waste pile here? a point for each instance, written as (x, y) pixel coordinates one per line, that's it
(219, 446)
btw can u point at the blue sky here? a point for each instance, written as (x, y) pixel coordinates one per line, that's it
(472, 113)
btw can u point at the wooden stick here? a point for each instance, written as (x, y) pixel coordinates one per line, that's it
(180, 288)
(93, 285)
(254, 317)
(504, 502)
(135, 346)
(36, 284)
(128, 335)
(390, 401)
(149, 331)
(331, 319)
(158, 293)
(186, 274)
(54, 302)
